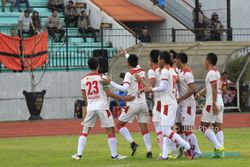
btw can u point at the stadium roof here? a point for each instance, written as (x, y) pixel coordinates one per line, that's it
(125, 11)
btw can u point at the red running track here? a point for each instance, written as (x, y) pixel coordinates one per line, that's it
(73, 127)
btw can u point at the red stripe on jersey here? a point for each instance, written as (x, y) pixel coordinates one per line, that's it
(189, 110)
(187, 133)
(171, 135)
(83, 90)
(144, 132)
(208, 108)
(111, 136)
(154, 67)
(92, 74)
(153, 78)
(159, 133)
(164, 79)
(168, 67)
(136, 70)
(186, 69)
(214, 81)
(84, 134)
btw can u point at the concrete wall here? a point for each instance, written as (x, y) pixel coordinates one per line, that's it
(63, 88)
(97, 16)
(159, 28)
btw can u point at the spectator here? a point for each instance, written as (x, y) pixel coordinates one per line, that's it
(200, 24)
(84, 26)
(54, 26)
(13, 2)
(216, 28)
(56, 4)
(25, 24)
(13, 32)
(71, 14)
(36, 22)
(23, 1)
(228, 90)
(145, 37)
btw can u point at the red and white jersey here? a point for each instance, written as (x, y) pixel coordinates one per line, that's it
(168, 96)
(213, 76)
(154, 73)
(134, 86)
(185, 78)
(96, 96)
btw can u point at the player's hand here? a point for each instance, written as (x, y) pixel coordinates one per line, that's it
(138, 78)
(105, 81)
(215, 109)
(179, 100)
(148, 89)
(197, 96)
(129, 98)
(122, 52)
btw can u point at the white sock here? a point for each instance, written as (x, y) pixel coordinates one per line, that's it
(112, 146)
(191, 138)
(165, 147)
(220, 137)
(147, 141)
(212, 138)
(81, 144)
(170, 145)
(179, 140)
(125, 133)
(160, 140)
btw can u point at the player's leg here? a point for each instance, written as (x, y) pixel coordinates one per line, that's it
(157, 123)
(188, 115)
(127, 115)
(112, 142)
(219, 133)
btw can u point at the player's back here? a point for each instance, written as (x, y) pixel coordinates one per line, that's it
(135, 86)
(96, 96)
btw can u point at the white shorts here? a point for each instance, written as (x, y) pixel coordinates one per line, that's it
(168, 114)
(130, 112)
(209, 117)
(186, 114)
(157, 111)
(105, 117)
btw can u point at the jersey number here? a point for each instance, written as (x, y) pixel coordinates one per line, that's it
(92, 87)
(174, 81)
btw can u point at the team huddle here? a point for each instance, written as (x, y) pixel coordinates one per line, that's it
(171, 83)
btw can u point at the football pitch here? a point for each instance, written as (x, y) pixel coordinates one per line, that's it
(57, 151)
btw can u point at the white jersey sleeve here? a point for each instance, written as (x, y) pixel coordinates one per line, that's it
(189, 78)
(151, 74)
(127, 78)
(164, 74)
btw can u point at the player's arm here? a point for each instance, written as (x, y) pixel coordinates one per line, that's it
(214, 95)
(84, 108)
(123, 98)
(190, 92)
(202, 92)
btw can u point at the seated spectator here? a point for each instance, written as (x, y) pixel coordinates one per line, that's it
(228, 90)
(216, 28)
(36, 22)
(56, 4)
(84, 26)
(25, 24)
(13, 2)
(145, 37)
(13, 32)
(54, 26)
(22, 1)
(71, 14)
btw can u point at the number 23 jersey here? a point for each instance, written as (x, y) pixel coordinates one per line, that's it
(96, 96)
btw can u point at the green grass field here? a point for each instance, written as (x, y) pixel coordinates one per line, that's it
(57, 151)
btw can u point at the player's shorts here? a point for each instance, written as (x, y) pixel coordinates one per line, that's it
(105, 117)
(157, 111)
(209, 117)
(139, 110)
(186, 114)
(168, 114)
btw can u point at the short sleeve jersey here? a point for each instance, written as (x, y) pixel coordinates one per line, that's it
(96, 96)
(135, 86)
(185, 78)
(154, 73)
(169, 95)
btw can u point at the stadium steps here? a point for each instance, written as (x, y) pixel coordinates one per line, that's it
(196, 51)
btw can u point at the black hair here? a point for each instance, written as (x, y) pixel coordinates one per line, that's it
(71, 2)
(212, 58)
(53, 10)
(122, 75)
(154, 54)
(133, 60)
(174, 53)
(93, 63)
(166, 57)
(182, 57)
(225, 73)
(83, 11)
